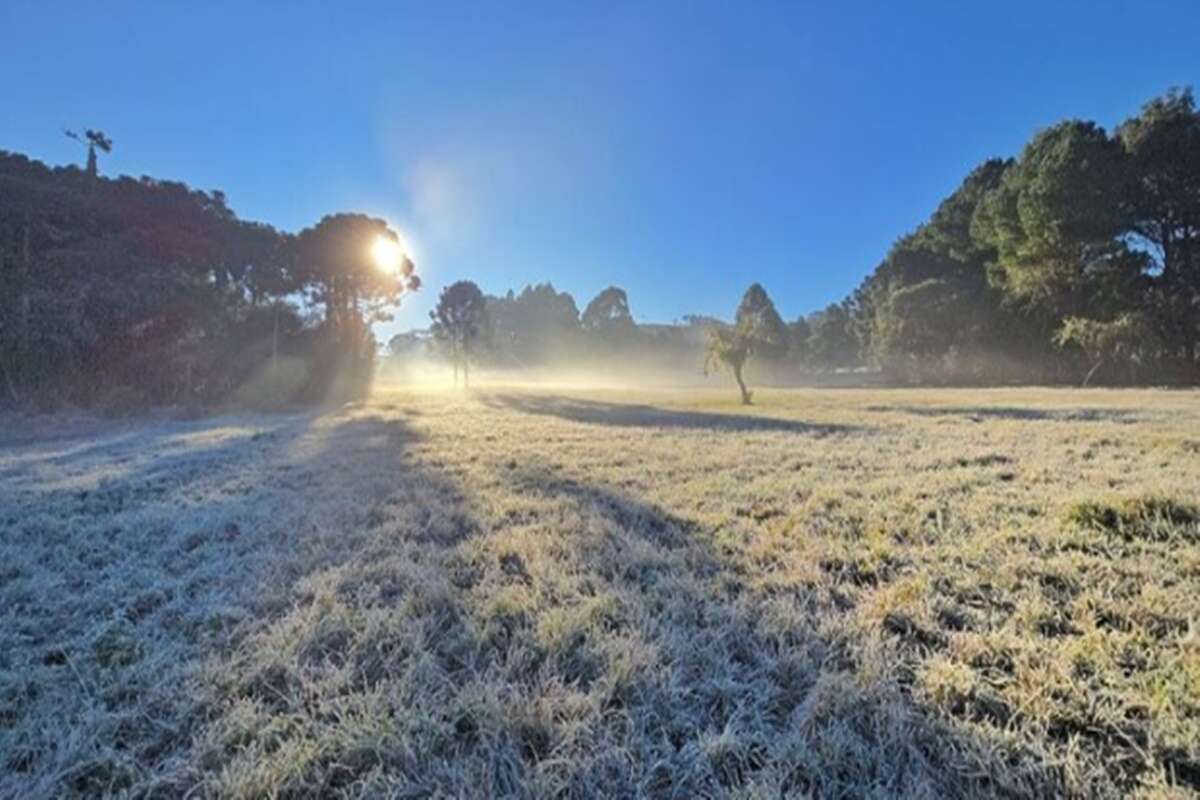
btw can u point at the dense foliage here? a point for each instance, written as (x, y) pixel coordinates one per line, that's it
(135, 292)
(1078, 258)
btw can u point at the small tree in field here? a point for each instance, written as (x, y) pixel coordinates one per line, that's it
(459, 320)
(1121, 339)
(729, 346)
(757, 329)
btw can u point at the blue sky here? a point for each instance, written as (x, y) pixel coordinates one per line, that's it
(679, 150)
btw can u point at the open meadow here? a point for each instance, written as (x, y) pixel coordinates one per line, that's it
(565, 593)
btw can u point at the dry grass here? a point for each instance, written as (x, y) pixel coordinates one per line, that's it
(835, 593)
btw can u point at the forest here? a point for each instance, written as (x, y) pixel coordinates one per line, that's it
(1075, 261)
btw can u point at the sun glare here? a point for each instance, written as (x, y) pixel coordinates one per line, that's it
(387, 254)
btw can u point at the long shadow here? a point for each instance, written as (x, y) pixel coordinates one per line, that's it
(786, 702)
(594, 412)
(317, 572)
(171, 563)
(149, 461)
(1014, 412)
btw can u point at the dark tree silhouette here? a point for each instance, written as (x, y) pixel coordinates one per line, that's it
(459, 320)
(95, 140)
(335, 260)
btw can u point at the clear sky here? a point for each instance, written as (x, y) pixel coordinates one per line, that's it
(679, 150)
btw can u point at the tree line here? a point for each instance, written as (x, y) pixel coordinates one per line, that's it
(541, 327)
(1076, 261)
(129, 293)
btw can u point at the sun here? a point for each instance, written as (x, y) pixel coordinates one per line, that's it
(387, 254)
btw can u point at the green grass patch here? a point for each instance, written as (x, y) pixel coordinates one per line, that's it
(1151, 517)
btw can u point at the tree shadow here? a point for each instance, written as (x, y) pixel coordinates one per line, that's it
(594, 412)
(321, 607)
(196, 539)
(979, 413)
(757, 689)
(163, 454)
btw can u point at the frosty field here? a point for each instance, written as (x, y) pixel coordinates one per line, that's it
(568, 593)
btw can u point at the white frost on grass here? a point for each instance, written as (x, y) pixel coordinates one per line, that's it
(527, 594)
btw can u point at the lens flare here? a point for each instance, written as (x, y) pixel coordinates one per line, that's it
(387, 254)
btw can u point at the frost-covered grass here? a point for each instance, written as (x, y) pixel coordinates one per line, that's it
(584, 594)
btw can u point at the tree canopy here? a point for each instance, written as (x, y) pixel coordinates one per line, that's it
(459, 321)
(154, 292)
(608, 312)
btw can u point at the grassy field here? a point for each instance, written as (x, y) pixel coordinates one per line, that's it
(583, 594)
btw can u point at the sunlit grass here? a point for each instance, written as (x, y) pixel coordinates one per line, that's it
(609, 593)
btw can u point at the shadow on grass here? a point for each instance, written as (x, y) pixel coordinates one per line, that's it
(319, 612)
(754, 689)
(593, 412)
(167, 451)
(979, 413)
(114, 598)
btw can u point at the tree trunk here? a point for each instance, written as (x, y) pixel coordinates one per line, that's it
(1087, 378)
(737, 375)
(466, 368)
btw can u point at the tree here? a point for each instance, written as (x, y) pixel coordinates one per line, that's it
(1121, 338)
(1057, 222)
(831, 343)
(336, 259)
(95, 140)
(729, 347)
(149, 289)
(608, 312)
(757, 329)
(757, 311)
(535, 326)
(459, 319)
(338, 262)
(929, 301)
(108, 287)
(799, 333)
(1162, 144)
(918, 326)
